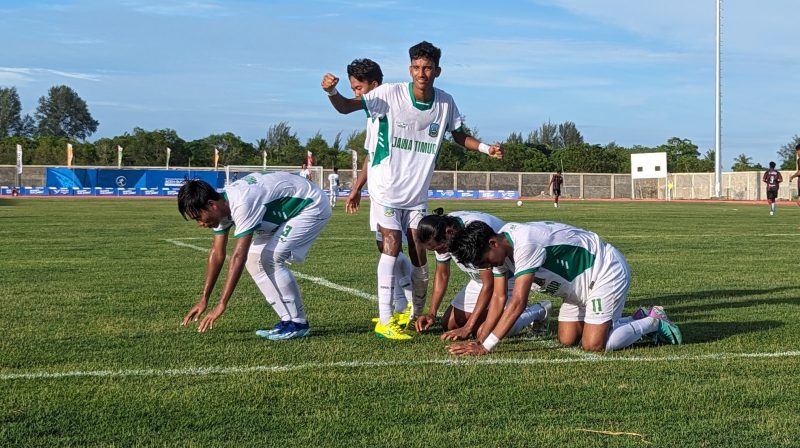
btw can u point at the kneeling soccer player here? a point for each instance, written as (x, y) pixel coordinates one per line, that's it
(590, 275)
(464, 316)
(277, 217)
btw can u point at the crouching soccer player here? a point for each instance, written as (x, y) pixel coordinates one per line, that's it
(590, 275)
(277, 217)
(464, 316)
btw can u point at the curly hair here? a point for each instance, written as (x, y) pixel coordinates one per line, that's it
(365, 70)
(425, 50)
(471, 244)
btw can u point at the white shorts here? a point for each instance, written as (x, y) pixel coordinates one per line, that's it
(606, 298)
(334, 191)
(290, 241)
(393, 218)
(466, 299)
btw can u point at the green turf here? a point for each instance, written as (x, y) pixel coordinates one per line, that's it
(92, 285)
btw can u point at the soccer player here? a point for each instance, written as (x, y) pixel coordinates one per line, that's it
(277, 217)
(555, 186)
(412, 120)
(304, 172)
(365, 75)
(333, 183)
(590, 275)
(773, 179)
(466, 312)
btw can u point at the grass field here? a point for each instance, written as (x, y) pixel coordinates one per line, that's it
(91, 351)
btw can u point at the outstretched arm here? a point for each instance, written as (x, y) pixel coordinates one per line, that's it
(440, 280)
(235, 268)
(512, 311)
(484, 298)
(471, 143)
(216, 258)
(341, 104)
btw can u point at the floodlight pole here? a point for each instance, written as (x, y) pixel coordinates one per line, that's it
(718, 141)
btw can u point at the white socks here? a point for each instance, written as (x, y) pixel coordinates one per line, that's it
(403, 291)
(419, 280)
(625, 334)
(386, 284)
(277, 284)
(529, 315)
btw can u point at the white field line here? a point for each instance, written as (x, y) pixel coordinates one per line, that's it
(318, 280)
(485, 361)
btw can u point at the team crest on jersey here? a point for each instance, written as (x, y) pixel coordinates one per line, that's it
(433, 131)
(388, 211)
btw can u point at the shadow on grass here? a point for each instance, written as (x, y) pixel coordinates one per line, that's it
(700, 332)
(719, 296)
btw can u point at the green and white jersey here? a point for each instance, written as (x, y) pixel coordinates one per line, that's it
(262, 202)
(465, 218)
(407, 142)
(565, 260)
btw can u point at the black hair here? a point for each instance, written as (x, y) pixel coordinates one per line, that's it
(365, 70)
(771, 165)
(194, 196)
(425, 50)
(797, 147)
(435, 226)
(471, 244)
(335, 169)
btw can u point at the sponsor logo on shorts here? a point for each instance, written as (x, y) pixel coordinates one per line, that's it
(388, 211)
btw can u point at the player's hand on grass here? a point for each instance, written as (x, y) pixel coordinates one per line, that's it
(423, 323)
(329, 82)
(194, 313)
(471, 348)
(458, 334)
(208, 322)
(353, 201)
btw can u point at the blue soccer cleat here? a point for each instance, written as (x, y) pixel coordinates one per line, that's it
(291, 330)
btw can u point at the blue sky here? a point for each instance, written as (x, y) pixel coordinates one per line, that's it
(629, 71)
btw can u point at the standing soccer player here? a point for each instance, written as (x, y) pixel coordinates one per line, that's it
(365, 75)
(555, 186)
(464, 316)
(773, 179)
(333, 184)
(590, 275)
(277, 217)
(412, 120)
(304, 172)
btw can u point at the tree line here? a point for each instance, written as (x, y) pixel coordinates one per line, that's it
(62, 117)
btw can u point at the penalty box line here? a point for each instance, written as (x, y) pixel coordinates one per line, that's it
(318, 280)
(447, 362)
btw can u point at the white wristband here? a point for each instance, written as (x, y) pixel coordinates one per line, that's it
(484, 148)
(490, 342)
(333, 92)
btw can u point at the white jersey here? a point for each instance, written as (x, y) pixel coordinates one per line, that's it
(305, 174)
(466, 217)
(407, 142)
(333, 180)
(262, 202)
(566, 261)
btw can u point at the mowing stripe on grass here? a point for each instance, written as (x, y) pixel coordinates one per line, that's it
(318, 280)
(488, 361)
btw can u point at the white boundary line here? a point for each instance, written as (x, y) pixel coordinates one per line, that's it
(318, 280)
(488, 361)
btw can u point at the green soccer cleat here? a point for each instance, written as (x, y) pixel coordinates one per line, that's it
(668, 332)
